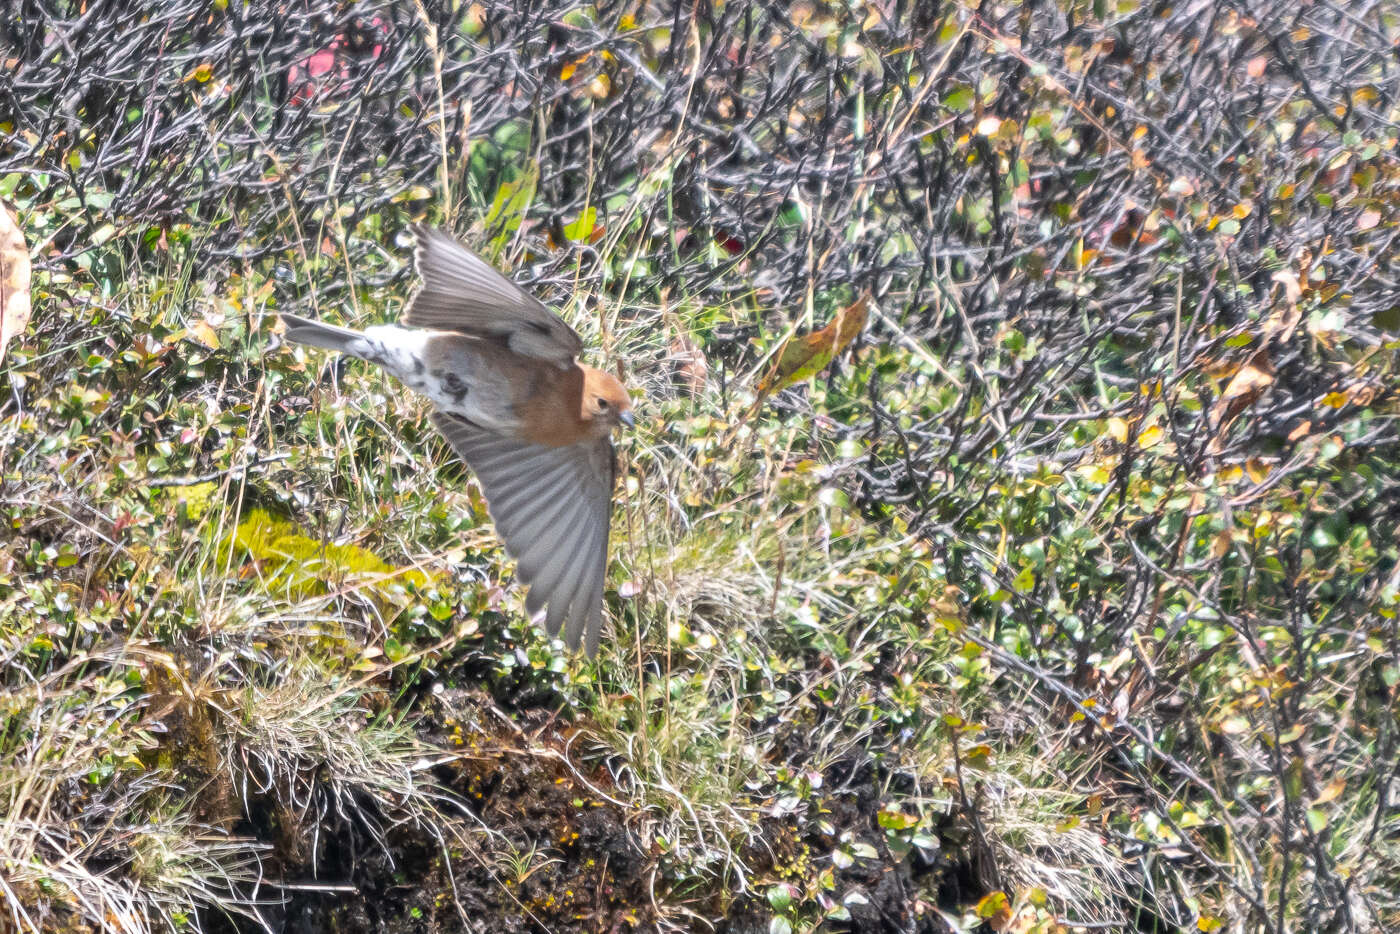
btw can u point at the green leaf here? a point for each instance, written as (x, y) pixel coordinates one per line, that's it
(510, 204)
(864, 851)
(581, 229)
(1388, 320)
(959, 99)
(1323, 537)
(1025, 581)
(927, 845)
(896, 820)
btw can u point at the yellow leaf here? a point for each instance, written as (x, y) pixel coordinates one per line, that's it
(1118, 430)
(805, 356)
(14, 278)
(1095, 473)
(581, 230)
(206, 335)
(994, 904)
(415, 193)
(1335, 399)
(1149, 437)
(600, 87)
(1224, 541)
(568, 69)
(979, 756)
(1333, 789)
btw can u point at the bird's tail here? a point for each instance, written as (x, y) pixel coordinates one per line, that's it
(305, 331)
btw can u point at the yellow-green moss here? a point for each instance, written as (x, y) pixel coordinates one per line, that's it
(302, 566)
(196, 499)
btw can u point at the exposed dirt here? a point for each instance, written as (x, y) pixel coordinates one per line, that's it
(537, 845)
(534, 846)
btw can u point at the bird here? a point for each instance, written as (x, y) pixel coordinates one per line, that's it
(514, 403)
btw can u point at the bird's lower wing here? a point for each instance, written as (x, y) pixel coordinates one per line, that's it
(552, 507)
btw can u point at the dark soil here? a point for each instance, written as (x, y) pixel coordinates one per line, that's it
(536, 845)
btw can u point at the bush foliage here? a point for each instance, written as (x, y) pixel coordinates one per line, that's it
(1064, 595)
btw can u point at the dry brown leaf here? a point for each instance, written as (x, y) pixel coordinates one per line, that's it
(691, 367)
(14, 278)
(1250, 380)
(1244, 388)
(809, 354)
(1282, 320)
(1292, 290)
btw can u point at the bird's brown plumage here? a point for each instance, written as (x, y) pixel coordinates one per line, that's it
(533, 424)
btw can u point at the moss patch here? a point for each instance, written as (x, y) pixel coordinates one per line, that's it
(299, 566)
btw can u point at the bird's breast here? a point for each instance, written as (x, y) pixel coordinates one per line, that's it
(552, 414)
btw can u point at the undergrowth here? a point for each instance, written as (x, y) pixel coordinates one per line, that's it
(1063, 598)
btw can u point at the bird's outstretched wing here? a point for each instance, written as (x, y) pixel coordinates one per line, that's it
(462, 292)
(551, 506)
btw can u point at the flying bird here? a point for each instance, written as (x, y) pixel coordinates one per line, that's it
(512, 400)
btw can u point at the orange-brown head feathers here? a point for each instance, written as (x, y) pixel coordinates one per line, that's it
(605, 401)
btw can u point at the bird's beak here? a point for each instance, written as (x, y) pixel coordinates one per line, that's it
(626, 418)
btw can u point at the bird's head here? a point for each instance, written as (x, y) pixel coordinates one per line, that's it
(605, 401)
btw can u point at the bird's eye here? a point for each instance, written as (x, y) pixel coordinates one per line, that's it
(603, 405)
